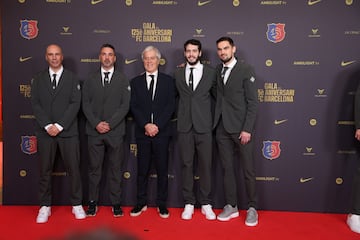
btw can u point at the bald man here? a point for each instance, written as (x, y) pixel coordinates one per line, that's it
(55, 100)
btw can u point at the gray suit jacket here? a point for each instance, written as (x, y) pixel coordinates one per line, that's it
(237, 100)
(60, 106)
(110, 104)
(194, 109)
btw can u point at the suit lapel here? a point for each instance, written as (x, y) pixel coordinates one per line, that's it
(157, 86)
(233, 72)
(183, 80)
(202, 82)
(60, 82)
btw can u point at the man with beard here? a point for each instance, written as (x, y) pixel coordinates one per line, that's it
(235, 115)
(196, 84)
(106, 99)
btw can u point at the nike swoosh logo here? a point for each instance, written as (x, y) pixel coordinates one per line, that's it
(313, 2)
(277, 122)
(344, 64)
(23, 59)
(127, 61)
(200, 3)
(304, 180)
(93, 2)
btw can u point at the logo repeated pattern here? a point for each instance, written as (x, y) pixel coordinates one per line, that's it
(305, 73)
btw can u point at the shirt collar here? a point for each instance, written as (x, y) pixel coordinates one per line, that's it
(58, 73)
(197, 65)
(111, 70)
(231, 64)
(154, 73)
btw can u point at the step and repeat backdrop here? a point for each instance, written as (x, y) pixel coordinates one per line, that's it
(306, 54)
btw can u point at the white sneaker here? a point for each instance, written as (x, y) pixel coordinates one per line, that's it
(208, 212)
(44, 214)
(79, 212)
(353, 221)
(188, 212)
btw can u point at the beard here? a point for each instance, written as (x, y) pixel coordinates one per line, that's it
(226, 60)
(193, 63)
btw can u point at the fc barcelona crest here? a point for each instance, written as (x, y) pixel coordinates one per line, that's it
(271, 149)
(29, 29)
(28, 144)
(275, 32)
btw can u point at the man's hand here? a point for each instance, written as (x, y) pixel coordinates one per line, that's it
(53, 130)
(357, 134)
(151, 130)
(244, 137)
(103, 127)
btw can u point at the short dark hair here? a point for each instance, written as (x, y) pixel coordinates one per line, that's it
(107, 45)
(193, 42)
(225, 38)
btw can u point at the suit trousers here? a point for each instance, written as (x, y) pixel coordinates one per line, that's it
(227, 144)
(152, 150)
(70, 154)
(111, 149)
(196, 148)
(355, 200)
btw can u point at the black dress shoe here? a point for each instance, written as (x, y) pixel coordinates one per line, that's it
(117, 211)
(163, 212)
(92, 209)
(137, 210)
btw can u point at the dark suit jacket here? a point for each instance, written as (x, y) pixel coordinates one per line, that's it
(162, 107)
(60, 106)
(237, 100)
(110, 104)
(194, 109)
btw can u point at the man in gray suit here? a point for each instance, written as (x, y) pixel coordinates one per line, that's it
(235, 115)
(106, 99)
(196, 84)
(55, 100)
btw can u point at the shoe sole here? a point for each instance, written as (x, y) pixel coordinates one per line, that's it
(118, 215)
(251, 224)
(79, 218)
(138, 213)
(187, 218)
(233, 215)
(163, 215)
(91, 214)
(40, 222)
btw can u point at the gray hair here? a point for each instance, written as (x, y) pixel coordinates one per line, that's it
(151, 48)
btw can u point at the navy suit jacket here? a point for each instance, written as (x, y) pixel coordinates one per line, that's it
(162, 106)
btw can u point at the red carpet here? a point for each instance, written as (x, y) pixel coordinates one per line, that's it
(18, 222)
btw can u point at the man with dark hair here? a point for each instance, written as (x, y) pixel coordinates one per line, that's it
(152, 105)
(235, 114)
(196, 84)
(106, 98)
(55, 99)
